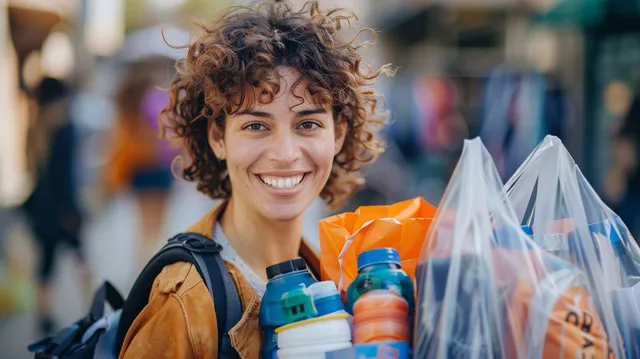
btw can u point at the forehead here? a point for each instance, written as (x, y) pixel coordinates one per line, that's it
(293, 93)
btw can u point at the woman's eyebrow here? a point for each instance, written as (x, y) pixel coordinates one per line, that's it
(314, 111)
(267, 115)
(257, 114)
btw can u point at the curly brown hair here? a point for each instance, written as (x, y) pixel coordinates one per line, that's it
(232, 65)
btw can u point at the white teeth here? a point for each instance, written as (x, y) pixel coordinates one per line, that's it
(282, 182)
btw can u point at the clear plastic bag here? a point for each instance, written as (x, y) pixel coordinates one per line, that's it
(569, 220)
(485, 290)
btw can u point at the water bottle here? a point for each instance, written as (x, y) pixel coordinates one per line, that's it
(395, 350)
(380, 269)
(282, 277)
(326, 298)
(390, 350)
(318, 324)
(313, 338)
(297, 305)
(380, 316)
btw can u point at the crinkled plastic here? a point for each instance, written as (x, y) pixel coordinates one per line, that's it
(486, 290)
(568, 219)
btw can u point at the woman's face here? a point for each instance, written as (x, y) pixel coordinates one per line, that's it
(279, 155)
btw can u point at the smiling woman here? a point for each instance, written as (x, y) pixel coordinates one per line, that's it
(269, 146)
(274, 108)
(233, 67)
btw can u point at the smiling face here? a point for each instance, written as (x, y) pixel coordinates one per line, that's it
(279, 155)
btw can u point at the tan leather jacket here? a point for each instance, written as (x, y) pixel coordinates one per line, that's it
(180, 320)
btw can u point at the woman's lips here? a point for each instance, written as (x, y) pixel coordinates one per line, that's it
(283, 185)
(282, 181)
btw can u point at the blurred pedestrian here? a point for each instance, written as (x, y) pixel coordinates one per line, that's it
(142, 161)
(52, 208)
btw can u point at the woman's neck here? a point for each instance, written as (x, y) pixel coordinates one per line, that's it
(259, 241)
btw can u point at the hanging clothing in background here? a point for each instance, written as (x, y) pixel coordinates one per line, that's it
(434, 99)
(422, 115)
(513, 118)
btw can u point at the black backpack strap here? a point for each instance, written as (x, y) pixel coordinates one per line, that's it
(204, 254)
(228, 307)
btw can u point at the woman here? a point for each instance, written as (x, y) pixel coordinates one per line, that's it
(52, 208)
(274, 109)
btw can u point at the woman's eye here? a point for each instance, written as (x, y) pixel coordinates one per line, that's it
(309, 126)
(255, 127)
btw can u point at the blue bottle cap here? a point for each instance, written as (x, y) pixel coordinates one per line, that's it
(377, 256)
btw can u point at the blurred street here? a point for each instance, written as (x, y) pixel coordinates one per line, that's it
(80, 96)
(110, 246)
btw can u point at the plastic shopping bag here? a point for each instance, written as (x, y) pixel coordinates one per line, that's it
(568, 219)
(343, 237)
(485, 290)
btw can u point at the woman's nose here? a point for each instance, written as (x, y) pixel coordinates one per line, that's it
(285, 148)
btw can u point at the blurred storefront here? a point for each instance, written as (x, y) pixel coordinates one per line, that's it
(79, 41)
(469, 68)
(507, 70)
(611, 34)
(613, 55)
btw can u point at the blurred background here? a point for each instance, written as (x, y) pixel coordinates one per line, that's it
(79, 76)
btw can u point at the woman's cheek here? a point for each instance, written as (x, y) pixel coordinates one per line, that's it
(322, 155)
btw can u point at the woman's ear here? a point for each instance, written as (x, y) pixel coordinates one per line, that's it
(216, 140)
(340, 131)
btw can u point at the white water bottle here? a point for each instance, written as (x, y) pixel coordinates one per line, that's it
(312, 338)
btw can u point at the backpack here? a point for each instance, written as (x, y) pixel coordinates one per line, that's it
(101, 336)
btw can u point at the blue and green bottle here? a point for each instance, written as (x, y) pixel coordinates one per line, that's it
(380, 268)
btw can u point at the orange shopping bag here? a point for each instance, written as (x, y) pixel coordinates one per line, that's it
(343, 237)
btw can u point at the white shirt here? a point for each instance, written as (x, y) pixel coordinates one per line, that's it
(230, 255)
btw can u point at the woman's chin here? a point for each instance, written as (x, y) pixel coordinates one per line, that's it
(283, 212)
